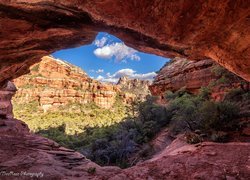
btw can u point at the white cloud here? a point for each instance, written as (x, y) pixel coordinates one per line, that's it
(104, 52)
(100, 71)
(100, 42)
(130, 73)
(99, 78)
(119, 51)
(96, 71)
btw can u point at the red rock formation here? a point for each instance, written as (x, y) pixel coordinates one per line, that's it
(193, 29)
(6, 93)
(137, 88)
(53, 82)
(214, 29)
(180, 73)
(192, 75)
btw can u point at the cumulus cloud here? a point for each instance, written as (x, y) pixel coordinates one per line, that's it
(130, 73)
(100, 71)
(101, 42)
(119, 51)
(99, 78)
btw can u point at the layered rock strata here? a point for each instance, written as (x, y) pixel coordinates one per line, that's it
(180, 73)
(53, 82)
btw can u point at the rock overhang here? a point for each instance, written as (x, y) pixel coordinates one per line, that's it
(195, 30)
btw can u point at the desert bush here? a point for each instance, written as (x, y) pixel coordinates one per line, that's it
(169, 95)
(191, 113)
(35, 68)
(184, 113)
(219, 136)
(205, 93)
(227, 116)
(237, 95)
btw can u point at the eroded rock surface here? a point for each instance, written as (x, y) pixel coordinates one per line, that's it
(214, 29)
(134, 86)
(193, 75)
(53, 82)
(6, 92)
(22, 151)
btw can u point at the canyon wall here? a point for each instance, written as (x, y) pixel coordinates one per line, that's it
(136, 87)
(218, 30)
(53, 82)
(180, 73)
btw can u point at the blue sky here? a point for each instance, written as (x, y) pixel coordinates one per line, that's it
(108, 58)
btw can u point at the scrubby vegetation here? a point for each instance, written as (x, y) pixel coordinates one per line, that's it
(113, 137)
(74, 116)
(198, 114)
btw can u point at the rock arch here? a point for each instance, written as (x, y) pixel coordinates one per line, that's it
(193, 29)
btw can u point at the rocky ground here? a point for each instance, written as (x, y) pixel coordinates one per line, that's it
(24, 151)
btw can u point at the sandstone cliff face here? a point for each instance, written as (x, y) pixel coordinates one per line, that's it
(136, 87)
(54, 82)
(192, 75)
(214, 29)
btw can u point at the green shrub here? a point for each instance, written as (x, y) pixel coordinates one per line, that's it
(190, 113)
(205, 93)
(169, 95)
(219, 136)
(227, 118)
(91, 170)
(35, 68)
(218, 70)
(184, 113)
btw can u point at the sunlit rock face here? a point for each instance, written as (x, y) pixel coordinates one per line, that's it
(135, 87)
(180, 73)
(53, 82)
(195, 30)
